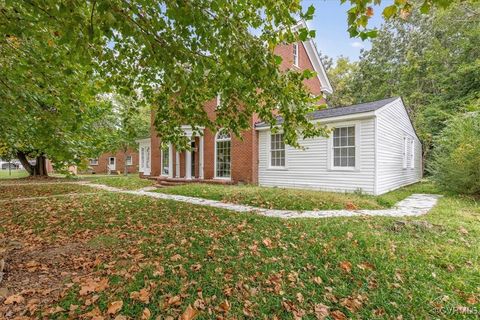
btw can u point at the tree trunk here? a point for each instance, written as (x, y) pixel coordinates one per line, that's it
(40, 167)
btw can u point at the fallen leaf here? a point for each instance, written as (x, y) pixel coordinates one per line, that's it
(225, 306)
(114, 307)
(267, 242)
(146, 314)
(318, 280)
(175, 257)
(346, 266)
(16, 298)
(321, 311)
(195, 267)
(338, 315)
(189, 314)
(175, 300)
(143, 295)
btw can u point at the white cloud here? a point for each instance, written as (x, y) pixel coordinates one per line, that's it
(357, 44)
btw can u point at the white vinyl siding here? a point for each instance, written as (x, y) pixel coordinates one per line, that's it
(399, 151)
(310, 168)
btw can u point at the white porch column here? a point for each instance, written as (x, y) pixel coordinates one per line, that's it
(200, 158)
(177, 165)
(170, 161)
(188, 164)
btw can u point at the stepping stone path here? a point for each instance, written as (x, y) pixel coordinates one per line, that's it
(414, 205)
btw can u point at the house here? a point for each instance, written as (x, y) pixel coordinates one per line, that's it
(114, 162)
(372, 148)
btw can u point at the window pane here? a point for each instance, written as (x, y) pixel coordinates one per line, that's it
(343, 152)
(351, 141)
(343, 162)
(336, 161)
(343, 141)
(336, 152)
(351, 161)
(351, 131)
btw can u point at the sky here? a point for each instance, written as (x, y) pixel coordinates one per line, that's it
(330, 24)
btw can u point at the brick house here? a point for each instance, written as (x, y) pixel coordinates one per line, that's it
(373, 146)
(233, 160)
(114, 162)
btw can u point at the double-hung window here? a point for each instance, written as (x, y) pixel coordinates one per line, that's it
(277, 151)
(405, 152)
(94, 162)
(344, 147)
(129, 160)
(165, 160)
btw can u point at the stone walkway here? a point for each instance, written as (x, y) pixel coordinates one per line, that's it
(414, 205)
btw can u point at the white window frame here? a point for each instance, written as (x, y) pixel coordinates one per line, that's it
(295, 54)
(405, 151)
(93, 161)
(162, 165)
(129, 160)
(269, 148)
(412, 154)
(215, 156)
(330, 153)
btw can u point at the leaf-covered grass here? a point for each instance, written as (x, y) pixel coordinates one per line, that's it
(165, 256)
(41, 190)
(295, 199)
(13, 174)
(130, 182)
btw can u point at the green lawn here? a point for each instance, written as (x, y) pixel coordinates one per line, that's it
(157, 258)
(130, 182)
(13, 174)
(295, 199)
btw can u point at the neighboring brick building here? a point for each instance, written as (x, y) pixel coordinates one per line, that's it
(220, 156)
(114, 162)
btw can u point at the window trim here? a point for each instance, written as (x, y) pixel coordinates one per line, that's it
(405, 152)
(269, 150)
(412, 154)
(330, 156)
(162, 166)
(129, 163)
(93, 164)
(296, 57)
(215, 156)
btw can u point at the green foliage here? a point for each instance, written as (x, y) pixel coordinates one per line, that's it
(432, 62)
(362, 10)
(456, 159)
(341, 77)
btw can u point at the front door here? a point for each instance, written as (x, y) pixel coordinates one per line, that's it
(112, 163)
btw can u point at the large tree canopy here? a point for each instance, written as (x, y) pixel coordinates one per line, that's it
(57, 57)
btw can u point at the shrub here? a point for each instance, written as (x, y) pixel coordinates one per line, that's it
(455, 164)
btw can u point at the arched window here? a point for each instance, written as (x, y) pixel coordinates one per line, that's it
(223, 146)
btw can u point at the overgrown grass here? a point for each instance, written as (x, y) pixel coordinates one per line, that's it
(364, 267)
(130, 182)
(295, 199)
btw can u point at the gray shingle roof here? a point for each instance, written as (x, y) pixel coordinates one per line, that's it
(340, 111)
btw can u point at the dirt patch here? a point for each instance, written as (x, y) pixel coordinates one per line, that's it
(36, 277)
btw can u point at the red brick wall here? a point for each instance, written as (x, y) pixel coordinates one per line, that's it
(101, 168)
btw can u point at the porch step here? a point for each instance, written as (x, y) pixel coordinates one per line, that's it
(167, 182)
